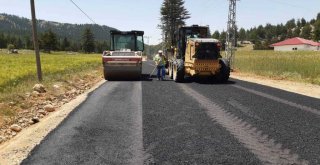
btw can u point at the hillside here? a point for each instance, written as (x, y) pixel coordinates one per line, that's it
(21, 27)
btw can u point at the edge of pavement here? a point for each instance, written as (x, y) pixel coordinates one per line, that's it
(305, 89)
(18, 148)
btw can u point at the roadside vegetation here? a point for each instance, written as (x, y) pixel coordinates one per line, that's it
(302, 66)
(18, 75)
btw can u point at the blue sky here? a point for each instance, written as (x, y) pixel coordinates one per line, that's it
(145, 14)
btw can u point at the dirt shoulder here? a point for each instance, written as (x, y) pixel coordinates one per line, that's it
(290, 86)
(18, 148)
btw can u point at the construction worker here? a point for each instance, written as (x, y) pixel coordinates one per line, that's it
(160, 61)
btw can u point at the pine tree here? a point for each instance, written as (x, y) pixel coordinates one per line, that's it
(306, 32)
(292, 23)
(173, 15)
(303, 22)
(289, 34)
(2, 41)
(242, 34)
(312, 21)
(101, 46)
(28, 42)
(19, 43)
(296, 32)
(65, 45)
(48, 41)
(318, 16)
(298, 23)
(223, 37)
(316, 32)
(88, 41)
(216, 34)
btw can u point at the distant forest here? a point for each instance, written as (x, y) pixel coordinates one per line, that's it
(263, 36)
(16, 32)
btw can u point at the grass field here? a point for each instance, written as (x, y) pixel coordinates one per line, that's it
(18, 74)
(303, 66)
(16, 70)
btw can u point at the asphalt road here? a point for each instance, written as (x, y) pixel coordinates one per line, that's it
(197, 122)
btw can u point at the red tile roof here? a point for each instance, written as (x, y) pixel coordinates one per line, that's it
(296, 41)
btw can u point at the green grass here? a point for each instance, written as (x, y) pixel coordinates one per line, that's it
(303, 66)
(15, 69)
(18, 71)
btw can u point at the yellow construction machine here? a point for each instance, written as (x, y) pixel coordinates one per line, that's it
(197, 55)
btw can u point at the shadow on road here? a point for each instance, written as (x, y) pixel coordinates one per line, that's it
(208, 81)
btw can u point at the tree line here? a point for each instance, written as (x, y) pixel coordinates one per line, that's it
(263, 36)
(173, 15)
(49, 41)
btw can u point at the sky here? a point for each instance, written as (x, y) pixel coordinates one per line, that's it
(145, 14)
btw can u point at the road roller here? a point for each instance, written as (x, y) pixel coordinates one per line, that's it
(124, 59)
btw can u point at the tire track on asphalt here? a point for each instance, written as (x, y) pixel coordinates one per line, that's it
(137, 142)
(280, 100)
(265, 148)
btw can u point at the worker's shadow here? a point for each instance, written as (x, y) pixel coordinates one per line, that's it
(147, 77)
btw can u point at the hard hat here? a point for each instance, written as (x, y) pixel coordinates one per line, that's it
(160, 51)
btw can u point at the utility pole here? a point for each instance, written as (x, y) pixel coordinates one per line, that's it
(231, 33)
(35, 40)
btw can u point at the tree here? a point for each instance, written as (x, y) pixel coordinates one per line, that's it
(65, 45)
(298, 23)
(303, 22)
(173, 15)
(289, 33)
(306, 32)
(257, 45)
(296, 32)
(242, 34)
(48, 41)
(270, 32)
(312, 21)
(2, 41)
(253, 36)
(101, 46)
(316, 32)
(19, 43)
(216, 34)
(318, 16)
(261, 32)
(88, 41)
(28, 42)
(223, 37)
(292, 24)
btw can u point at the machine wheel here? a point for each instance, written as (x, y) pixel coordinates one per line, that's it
(178, 71)
(223, 75)
(105, 75)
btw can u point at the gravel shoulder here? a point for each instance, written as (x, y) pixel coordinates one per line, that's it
(18, 148)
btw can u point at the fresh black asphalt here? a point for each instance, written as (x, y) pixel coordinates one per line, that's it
(154, 122)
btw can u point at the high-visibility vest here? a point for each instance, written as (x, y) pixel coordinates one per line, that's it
(160, 61)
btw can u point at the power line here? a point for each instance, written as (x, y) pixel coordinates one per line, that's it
(83, 12)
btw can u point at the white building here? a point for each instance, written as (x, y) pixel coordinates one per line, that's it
(296, 43)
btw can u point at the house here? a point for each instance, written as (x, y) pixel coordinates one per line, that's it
(296, 44)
